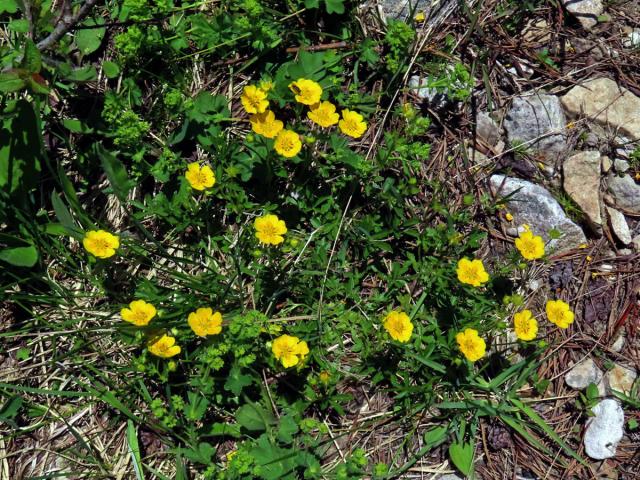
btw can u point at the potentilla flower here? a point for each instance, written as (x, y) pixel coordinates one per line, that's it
(254, 99)
(204, 321)
(471, 345)
(559, 313)
(266, 124)
(525, 326)
(472, 272)
(200, 178)
(398, 325)
(324, 114)
(306, 91)
(287, 143)
(100, 243)
(165, 347)
(530, 246)
(270, 229)
(139, 313)
(352, 124)
(289, 350)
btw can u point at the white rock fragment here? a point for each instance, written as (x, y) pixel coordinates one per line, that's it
(586, 11)
(582, 374)
(619, 226)
(636, 243)
(605, 430)
(618, 343)
(620, 378)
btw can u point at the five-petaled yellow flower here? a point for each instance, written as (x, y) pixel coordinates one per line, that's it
(306, 91)
(398, 325)
(200, 178)
(525, 326)
(471, 345)
(100, 244)
(324, 114)
(165, 347)
(287, 143)
(270, 229)
(559, 313)
(289, 350)
(266, 124)
(529, 245)
(205, 322)
(254, 99)
(472, 272)
(139, 313)
(352, 124)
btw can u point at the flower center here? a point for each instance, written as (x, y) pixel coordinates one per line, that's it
(101, 244)
(201, 178)
(269, 230)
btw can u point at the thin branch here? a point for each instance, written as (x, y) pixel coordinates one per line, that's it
(67, 22)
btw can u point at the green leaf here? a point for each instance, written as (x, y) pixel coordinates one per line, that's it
(134, 449)
(89, 40)
(32, 60)
(11, 81)
(435, 436)
(116, 173)
(461, 455)
(10, 409)
(236, 381)
(8, 6)
(334, 6)
(20, 25)
(287, 429)
(76, 126)
(275, 463)
(85, 74)
(311, 3)
(20, 256)
(254, 418)
(110, 69)
(64, 216)
(196, 407)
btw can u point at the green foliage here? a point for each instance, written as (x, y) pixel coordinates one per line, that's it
(398, 39)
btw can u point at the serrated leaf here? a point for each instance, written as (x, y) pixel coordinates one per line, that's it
(236, 381)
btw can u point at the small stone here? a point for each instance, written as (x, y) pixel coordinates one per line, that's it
(623, 252)
(533, 205)
(605, 430)
(430, 95)
(633, 38)
(618, 343)
(620, 378)
(591, 140)
(620, 165)
(487, 129)
(608, 104)
(619, 226)
(582, 183)
(450, 476)
(636, 243)
(515, 231)
(400, 9)
(586, 11)
(582, 374)
(625, 192)
(539, 122)
(606, 164)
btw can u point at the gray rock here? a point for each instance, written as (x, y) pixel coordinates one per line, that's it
(591, 140)
(625, 251)
(620, 165)
(619, 226)
(401, 9)
(534, 206)
(450, 476)
(620, 378)
(582, 183)
(487, 129)
(582, 374)
(625, 193)
(632, 39)
(606, 103)
(430, 95)
(606, 164)
(618, 343)
(636, 243)
(586, 11)
(605, 430)
(539, 122)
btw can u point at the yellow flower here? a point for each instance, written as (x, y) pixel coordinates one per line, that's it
(265, 85)
(200, 178)
(266, 124)
(508, 216)
(306, 91)
(139, 313)
(289, 350)
(471, 345)
(254, 99)
(100, 244)
(559, 313)
(324, 377)
(530, 246)
(287, 143)
(165, 347)
(525, 326)
(324, 114)
(205, 322)
(472, 272)
(352, 124)
(420, 17)
(399, 326)
(270, 229)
